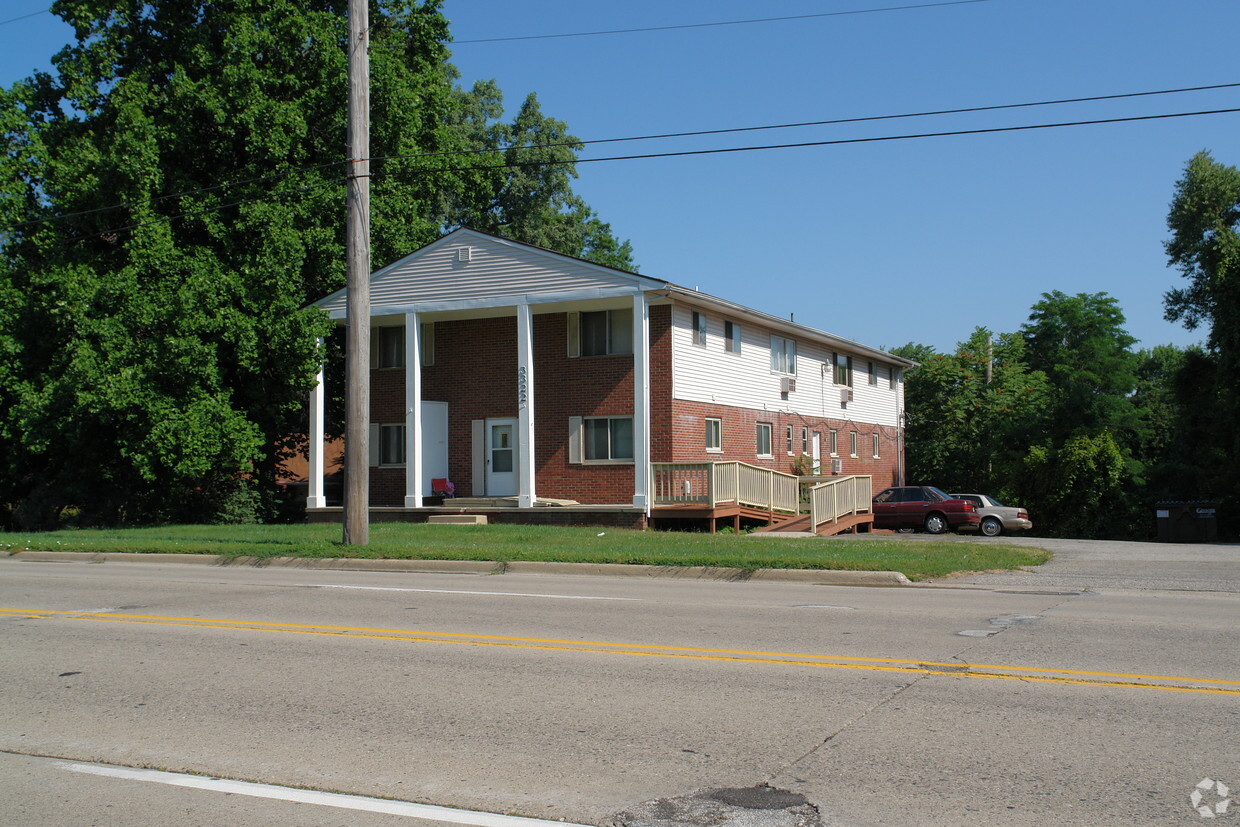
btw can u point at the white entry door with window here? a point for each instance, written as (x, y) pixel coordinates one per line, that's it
(501, 457)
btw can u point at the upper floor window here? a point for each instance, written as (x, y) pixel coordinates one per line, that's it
(699, 328)
(843, 370)
(387, 345)
(873, 373)
(731, 337)
(783, 355)
(606, 332)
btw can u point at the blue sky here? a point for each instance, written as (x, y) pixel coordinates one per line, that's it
(885, 243)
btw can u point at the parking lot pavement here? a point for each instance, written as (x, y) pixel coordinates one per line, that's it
(1118, 565)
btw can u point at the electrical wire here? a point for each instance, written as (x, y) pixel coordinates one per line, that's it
(24, 16)
(720, 23)
(578, 144)
(681, 154)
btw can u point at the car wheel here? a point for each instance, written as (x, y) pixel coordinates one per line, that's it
(991, 527)
(936, 524)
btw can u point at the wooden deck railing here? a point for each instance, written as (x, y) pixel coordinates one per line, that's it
(835, 497)
(712, 484)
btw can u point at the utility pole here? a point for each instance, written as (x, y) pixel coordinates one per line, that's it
(357, 255)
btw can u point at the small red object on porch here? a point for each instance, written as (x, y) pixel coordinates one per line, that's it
(443, 487)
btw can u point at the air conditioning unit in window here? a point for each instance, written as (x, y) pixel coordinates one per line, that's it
(837, 466)
(787, 384)
(846, 395)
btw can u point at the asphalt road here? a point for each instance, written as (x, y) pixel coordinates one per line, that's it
(1091, 694)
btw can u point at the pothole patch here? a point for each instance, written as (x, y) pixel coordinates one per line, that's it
(757, 806)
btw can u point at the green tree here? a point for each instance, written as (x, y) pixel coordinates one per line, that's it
(1091, 425)
(966, 431)
(172, 198)
(1205, 245)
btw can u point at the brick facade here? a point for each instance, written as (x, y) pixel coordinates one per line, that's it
(475, 372)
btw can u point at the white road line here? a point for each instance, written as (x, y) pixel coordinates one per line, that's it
(456, 591)
(348, 802)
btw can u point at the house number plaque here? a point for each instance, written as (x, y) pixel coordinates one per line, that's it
(523, 393)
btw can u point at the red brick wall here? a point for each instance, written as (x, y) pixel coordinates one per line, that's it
(740, 440)
(475, 372)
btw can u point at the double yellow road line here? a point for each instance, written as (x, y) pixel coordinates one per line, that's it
(1075, 677)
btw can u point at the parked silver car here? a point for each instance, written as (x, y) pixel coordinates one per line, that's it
(996, 517)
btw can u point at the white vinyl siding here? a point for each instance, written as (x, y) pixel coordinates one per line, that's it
(498, 273)
(712, 376)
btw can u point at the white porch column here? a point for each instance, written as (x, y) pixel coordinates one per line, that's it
(413, 413)
(641, 402)
(314, 493)
(525, 407)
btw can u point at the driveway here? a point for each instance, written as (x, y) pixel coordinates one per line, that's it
(1113, 564)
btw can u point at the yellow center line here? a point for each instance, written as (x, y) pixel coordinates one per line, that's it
(969, 670)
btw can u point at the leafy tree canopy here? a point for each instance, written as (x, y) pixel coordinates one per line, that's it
(172, 197)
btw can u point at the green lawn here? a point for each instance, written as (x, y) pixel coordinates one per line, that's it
(917, 558)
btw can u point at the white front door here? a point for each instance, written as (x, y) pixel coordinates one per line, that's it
(501, 457)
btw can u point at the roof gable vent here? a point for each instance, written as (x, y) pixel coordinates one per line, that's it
(465, 254)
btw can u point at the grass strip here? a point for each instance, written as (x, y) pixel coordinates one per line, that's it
(915, 558)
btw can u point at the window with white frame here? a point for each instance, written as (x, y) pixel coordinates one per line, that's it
(843, 369)
(874, 439)
(731, 337)
(606, 332)
(607, 438)
(699, 329)
(764, 439)
(873, 373)
(391, 342)
(804, 440)
(714, 434)
(852, 443)
(783, 355)
(788, 438)
(835, 442)
(391, 445)
(387, 348)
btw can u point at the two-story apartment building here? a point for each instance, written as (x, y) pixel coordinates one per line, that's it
(514, 371)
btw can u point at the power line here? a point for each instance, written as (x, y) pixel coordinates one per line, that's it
(835, 142)
(832, 122)
(465, 152)
(24, 16)
(681, 154)
(720, 23)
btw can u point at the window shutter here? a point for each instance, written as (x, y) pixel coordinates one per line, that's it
(574, 440)
(374, 444)
(574, 334)
(427, 334)
(480, 458)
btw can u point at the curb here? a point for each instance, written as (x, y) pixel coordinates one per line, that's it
(818, 577)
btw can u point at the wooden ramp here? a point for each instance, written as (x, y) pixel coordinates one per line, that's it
(859, 523)
(694, 511)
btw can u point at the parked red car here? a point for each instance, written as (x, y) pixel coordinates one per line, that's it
(923, 507)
